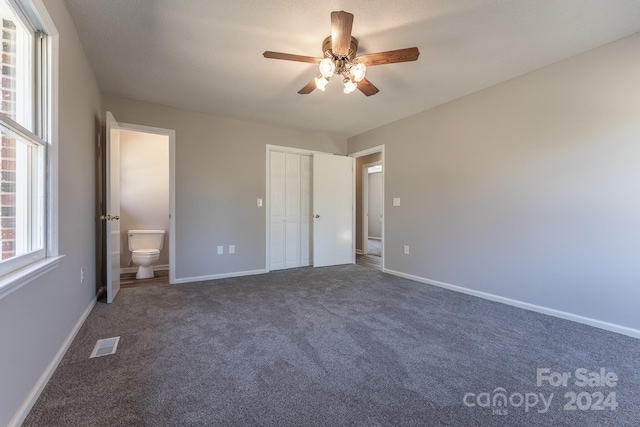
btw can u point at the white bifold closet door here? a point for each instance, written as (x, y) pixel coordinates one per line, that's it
(290, 210)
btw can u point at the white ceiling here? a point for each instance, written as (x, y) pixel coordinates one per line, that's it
(206, 55)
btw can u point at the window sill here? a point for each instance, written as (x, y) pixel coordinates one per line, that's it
(15, 280)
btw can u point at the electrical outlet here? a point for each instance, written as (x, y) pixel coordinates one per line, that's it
(406, 249)
(232, 249)
(259, 203)
(81, 275)
(220, 250)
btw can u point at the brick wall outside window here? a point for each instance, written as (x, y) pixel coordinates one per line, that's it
(8, 145)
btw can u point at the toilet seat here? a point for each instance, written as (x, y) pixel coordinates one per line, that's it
(145, 252)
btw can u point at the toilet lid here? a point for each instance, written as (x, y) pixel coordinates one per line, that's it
(146, 252)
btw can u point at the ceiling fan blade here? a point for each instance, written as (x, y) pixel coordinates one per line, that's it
(390, 57)
(291, 57)
(309, 87)
(367, 87)
(341, 23)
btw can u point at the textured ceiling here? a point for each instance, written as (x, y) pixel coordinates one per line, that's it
(206, 55)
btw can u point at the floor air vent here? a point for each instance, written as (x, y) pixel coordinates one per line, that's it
(105, 347)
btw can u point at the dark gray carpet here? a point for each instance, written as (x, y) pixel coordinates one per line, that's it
(329, 347)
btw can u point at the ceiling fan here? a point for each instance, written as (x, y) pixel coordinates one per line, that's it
(340, 58)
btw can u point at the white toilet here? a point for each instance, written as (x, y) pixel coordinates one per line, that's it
(145, 247)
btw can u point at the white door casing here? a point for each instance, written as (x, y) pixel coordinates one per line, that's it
(112, 207)
(333, 197)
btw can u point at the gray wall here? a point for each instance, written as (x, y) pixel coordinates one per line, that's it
(36, 319)
(526, 190)
(220, 173)
(361, 161)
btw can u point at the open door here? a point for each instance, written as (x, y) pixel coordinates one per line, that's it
(111, 215)
(333, 236)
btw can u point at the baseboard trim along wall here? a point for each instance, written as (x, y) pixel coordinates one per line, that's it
(219, 276)
(33, 395)
(635, 333)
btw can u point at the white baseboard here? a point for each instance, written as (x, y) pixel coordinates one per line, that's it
(219, 276)
(375, 238)
(33, 395)
(612, 327)
(134, 269)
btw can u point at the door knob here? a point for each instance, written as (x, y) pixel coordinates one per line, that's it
(316, 216)
(115, 217)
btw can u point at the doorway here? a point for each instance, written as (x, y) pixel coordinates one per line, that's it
(144, 200)
(370, 207)
(141, 177)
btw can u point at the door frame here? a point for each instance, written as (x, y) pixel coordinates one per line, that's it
(377, 149)
(172, 186)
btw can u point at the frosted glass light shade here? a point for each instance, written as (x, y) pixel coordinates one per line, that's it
(358, 71)
(321, 83)
(350, 86)
(327, 67)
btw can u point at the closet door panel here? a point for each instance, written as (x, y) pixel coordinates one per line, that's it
(306, 232)
(292, 211)
(277, 210)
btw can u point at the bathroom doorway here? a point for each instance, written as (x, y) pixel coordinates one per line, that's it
(144, 199)
(141, 158)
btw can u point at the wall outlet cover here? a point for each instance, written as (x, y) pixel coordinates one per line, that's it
(396, 201)
(220, 250)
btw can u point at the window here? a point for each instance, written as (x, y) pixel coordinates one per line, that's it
(24, 145)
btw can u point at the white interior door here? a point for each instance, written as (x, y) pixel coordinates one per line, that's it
(333, 237)
(292, 211)
(289, 210)
(306, 240)
(277, 210)
(112, 207)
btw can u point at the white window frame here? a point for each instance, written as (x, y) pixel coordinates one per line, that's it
(40, 262)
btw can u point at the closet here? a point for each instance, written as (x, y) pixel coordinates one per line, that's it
(290, 187)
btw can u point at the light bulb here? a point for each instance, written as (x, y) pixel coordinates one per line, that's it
(349, 86)
(358, 71)
(327, 67)
(321, 83)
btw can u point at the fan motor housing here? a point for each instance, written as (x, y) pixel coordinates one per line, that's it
(326, 48)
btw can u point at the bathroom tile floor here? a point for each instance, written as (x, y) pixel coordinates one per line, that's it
(128, 280)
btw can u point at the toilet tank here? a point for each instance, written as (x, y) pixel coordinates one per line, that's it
(145, 239)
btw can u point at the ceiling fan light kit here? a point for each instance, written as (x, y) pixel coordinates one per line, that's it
(340, 59)
(321, 82)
